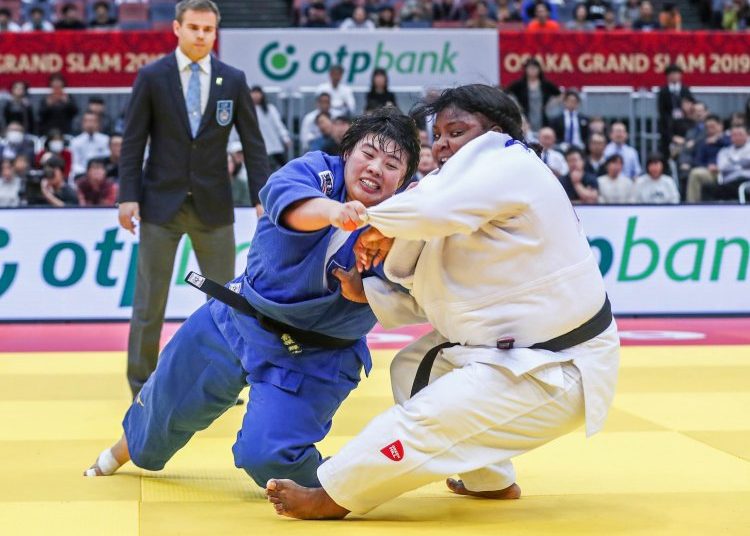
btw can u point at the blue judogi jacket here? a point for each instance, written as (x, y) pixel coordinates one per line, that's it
(289, 273)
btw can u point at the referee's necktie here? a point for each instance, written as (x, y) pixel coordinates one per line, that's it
(569, 132)
(194, 98)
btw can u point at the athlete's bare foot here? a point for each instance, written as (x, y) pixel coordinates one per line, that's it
(110, 460)
(511, 492)
(292, 500)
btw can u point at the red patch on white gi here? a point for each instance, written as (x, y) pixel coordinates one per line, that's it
(394, 451)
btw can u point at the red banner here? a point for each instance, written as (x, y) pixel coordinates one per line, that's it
(638, 59)
(86, 59)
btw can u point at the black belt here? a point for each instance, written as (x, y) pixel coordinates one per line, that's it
(292, 338)
(585, 332)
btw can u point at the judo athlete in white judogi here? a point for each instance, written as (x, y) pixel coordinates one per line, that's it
(494, 257)
(298, 253)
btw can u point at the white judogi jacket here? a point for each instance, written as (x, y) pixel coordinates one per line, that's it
(504, 256)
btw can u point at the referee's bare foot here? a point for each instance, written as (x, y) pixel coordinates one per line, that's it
(511, 492)
(292, 500)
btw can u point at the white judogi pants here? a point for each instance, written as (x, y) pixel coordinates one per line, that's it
(470, 420)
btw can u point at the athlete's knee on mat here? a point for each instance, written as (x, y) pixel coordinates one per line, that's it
(263, 464)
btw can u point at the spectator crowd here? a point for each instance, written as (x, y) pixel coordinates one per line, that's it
(531, 15)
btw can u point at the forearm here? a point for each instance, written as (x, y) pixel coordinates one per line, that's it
(309, 214)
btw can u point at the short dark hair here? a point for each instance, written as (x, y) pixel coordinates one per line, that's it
(489, 101)
(101, 3)
(5, 11)
(96, 162)
(573, 150)
(55, 162)
(612, 158)
(96, 100)
(654, 157)
(388, 125)
(572, 93)
(196, 5)
(673, 68)
(713, 117)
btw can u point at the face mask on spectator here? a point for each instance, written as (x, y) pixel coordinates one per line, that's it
(56, 146)
(14, 137)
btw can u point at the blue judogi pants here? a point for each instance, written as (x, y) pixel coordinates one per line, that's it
(198, 377)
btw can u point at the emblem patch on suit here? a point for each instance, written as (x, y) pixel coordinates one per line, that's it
(224, 110)
(394, 451)
(326, 181)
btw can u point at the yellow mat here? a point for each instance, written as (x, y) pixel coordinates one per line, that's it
(674, 459)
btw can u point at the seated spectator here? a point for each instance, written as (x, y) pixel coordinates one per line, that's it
(426, 164)
(542, 21)
(55, 145)
(506, 11)
(528, 9)
(88, 144)
(358, 21)
(325, 141)
(646, 21)
(102, 19)
(596, 10)
(317, 16)
(480, 17)
(19, 109)
(580, 21)
(308, 129)
(113, 162)
(705, 154)
(670, 17)
(341, 125)
(54, 190)
(6, 24)
(58, 109)
(614, 187)
(10, 185)
(16, 143)
(342, 10)
(37, 21)
(96, 105)
(734, 15)
(597, 125)
(71, 19)
(417, 11)
(94, 188)
(609, 23)
(379, 95)
(580, 186)
(680, 126)
(22, 166)
(629, 12)
(238, 175)
(595, 159)
(387, 18)
(655, 188)
(553, 158)
(734, 167)
(618, 133)
(446, 10)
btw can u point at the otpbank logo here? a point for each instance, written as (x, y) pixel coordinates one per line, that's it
(280, 62)
(276, 61)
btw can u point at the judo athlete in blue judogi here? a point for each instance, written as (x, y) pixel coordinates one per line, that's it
(300, 252)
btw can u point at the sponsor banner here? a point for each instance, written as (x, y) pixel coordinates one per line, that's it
(635, 59)
(672, 260)
(424, 58)
(78, 263)
(85, 59)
